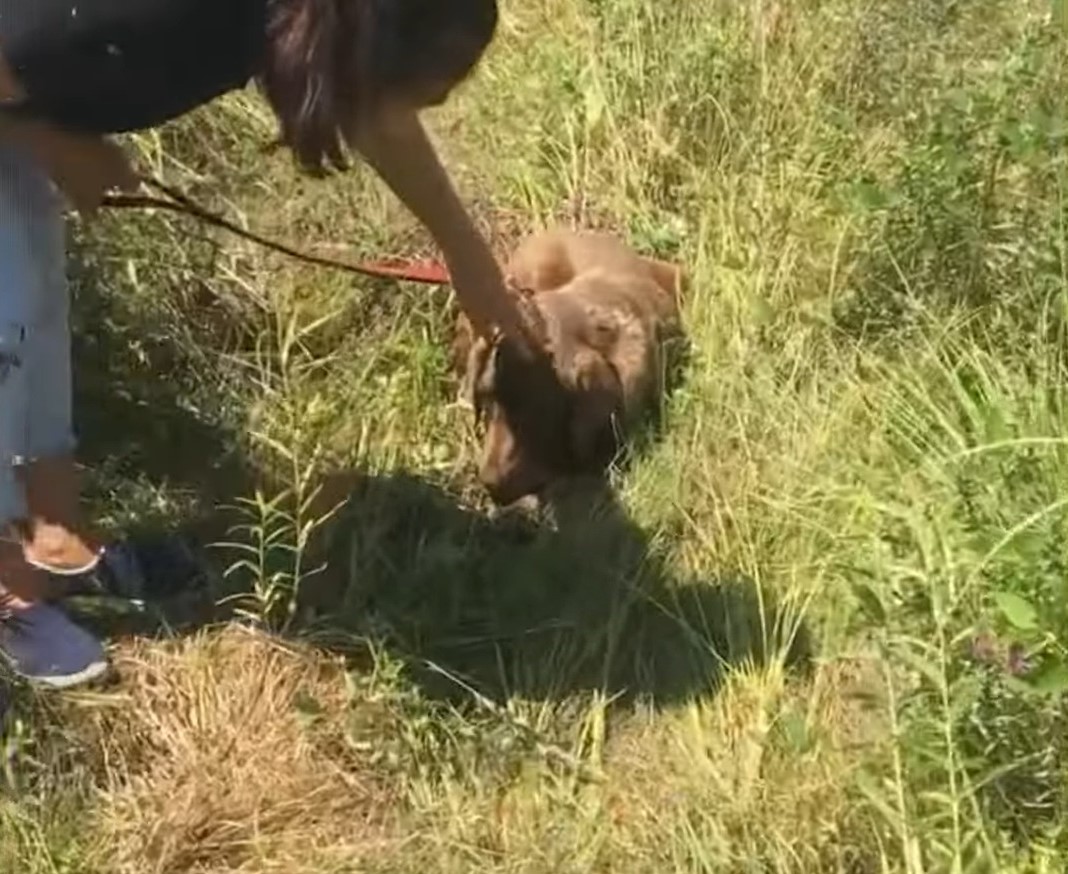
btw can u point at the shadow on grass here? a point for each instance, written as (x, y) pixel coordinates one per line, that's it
(144, 410)
(504, 608)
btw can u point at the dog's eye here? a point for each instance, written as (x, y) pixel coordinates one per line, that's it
(482, 403)
(484, 388)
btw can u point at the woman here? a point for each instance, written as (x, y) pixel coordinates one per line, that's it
(338, 74)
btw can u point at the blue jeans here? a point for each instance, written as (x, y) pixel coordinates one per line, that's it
(39, 642)
(35, 365)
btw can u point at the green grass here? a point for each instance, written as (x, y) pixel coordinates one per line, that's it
(819, 626)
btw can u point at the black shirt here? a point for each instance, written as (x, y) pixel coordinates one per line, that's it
(108, 66)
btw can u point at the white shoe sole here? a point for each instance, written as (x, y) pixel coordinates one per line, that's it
(90, 672)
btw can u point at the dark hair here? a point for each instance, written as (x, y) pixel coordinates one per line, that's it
(330, 63)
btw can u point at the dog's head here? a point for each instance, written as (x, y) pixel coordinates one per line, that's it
(545, 417)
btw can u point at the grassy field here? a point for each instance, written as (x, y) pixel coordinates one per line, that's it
(820, 627)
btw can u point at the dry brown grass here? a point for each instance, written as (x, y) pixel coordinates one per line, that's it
(216, 759)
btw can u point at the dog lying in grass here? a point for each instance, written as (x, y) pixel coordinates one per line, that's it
(600, 315)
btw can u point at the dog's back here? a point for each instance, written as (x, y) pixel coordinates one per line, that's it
(551, 259)
(625, 317)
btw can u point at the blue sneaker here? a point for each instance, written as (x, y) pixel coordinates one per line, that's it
(43, 646)
(138, 573)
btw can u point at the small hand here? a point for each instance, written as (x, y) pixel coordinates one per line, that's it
(489, 305)
(84, 168)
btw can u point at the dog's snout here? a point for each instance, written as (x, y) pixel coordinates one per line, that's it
(507, 471)
(501, 492)
(505, 493)
(508, 485)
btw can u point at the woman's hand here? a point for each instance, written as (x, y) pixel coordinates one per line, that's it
(84, 168)
(397, 146)
(479, 284)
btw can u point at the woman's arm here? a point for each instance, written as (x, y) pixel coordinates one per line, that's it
(398, 148)
(83, 167)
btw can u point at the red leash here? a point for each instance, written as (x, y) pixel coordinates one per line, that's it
(426, 271)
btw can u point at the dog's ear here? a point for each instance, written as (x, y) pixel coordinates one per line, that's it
(599, 402)
(668, 276)
(478, 353)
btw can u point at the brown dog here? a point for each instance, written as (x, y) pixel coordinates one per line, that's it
(600, 314)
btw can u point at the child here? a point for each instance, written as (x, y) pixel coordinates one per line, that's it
(338, 74)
